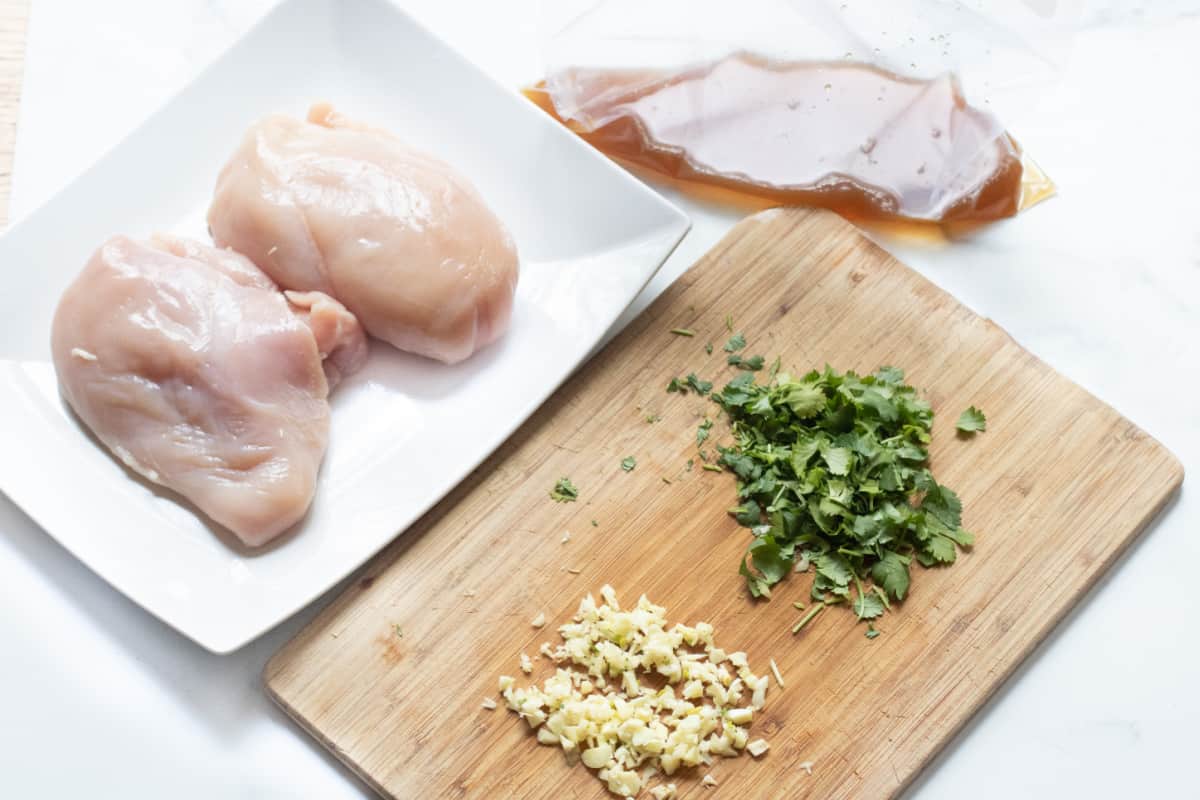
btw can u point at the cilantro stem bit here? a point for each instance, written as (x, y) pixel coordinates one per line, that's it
(832, 470)
(683, 331)
(807, 618)
(564, 491)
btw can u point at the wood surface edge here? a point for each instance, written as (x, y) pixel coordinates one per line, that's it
(1050, 622)
(294, 715)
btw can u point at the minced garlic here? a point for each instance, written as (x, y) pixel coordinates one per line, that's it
(488, 703)
(538, 621)
(600, 708)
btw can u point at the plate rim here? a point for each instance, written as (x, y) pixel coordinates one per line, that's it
(675, 227)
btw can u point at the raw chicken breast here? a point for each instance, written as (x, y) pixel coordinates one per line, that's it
(399, 237)
(192, 367)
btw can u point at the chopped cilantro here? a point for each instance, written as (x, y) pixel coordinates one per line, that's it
(702, 431)
(708, 348)
(735, 343)
(628, 463)
(683, 331)
(831, 471)
(676, 385)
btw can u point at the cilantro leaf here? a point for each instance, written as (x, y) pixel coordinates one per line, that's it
(564, 491)
(835, 568)
(971, 421)
(868, 606)
(708, 348)
(757, 585)
(676, 385)
(940, 549)
(702, 431)
(735, 343)
(628, 463)
(943, 504)
(891, 573)
(838, 459)
(770, 559)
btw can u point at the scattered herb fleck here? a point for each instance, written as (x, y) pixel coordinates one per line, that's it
(652, 418)
(698, 386)
(729, 323)
(683, 331)
(595, 524)
(399, 631)
(690, 464)
(871, 632)
(564, 491)
(676, 385)
(702, 431)
(753, 363)
(971, 421)
(708, 348)
(665, 479)
(735, 343)
(798, 605)
(628, 463)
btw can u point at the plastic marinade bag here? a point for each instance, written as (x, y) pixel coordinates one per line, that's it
(876, 109)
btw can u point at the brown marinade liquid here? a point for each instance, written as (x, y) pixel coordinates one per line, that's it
(841, 135)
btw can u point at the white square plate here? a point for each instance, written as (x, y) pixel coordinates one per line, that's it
(405, 430)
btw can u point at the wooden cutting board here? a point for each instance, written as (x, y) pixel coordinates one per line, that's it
(1055, 490)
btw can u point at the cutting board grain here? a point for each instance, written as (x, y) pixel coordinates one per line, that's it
(1055, 490)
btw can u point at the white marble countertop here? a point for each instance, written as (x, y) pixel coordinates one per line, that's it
(1103, 282)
